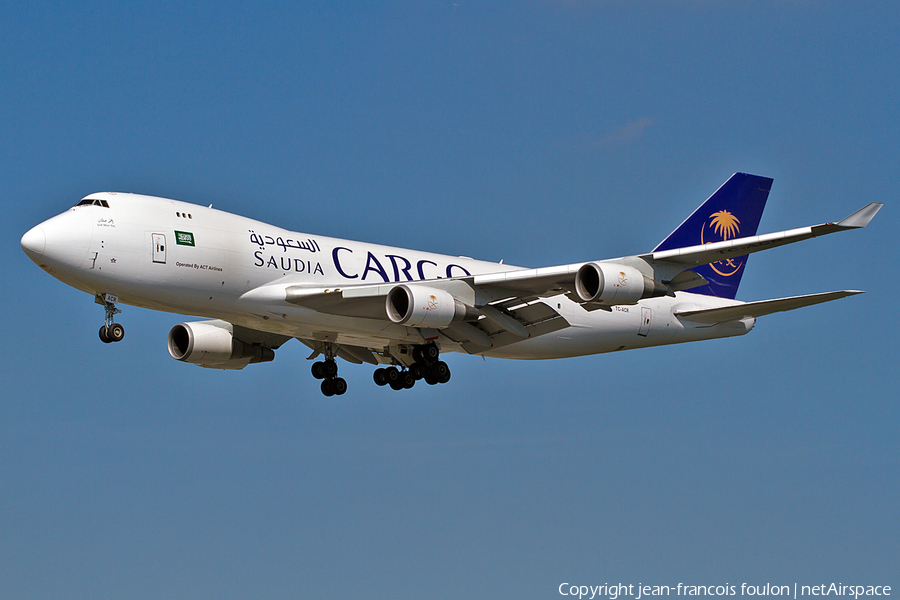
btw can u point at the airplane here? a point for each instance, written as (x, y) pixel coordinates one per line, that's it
(260, 285)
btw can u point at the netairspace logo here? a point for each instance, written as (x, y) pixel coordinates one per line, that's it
(795, 591)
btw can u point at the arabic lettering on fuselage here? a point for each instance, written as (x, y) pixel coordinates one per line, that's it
(399, 265)
(309, 245)
(386, 268)
(285, 262)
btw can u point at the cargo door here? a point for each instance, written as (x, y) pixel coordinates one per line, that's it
(646, 317)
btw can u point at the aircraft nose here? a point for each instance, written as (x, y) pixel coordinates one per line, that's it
(60, 243)
(34, 242)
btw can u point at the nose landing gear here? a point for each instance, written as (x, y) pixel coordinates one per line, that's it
(110, 332)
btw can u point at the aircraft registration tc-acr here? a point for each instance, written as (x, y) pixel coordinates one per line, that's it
(260, 286)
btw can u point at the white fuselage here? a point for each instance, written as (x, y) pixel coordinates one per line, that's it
(183, 258)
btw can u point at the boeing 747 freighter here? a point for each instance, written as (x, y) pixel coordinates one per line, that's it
(259, 285)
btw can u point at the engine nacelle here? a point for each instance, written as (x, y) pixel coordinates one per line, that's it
(423, 306)
(211, 344)
(612, 284)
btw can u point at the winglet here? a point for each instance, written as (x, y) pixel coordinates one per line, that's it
(861, 217)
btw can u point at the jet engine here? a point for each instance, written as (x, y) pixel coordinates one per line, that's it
(211, 344)
(423, 306)
(611, 284)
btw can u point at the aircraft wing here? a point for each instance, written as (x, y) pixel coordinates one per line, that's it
(503, 316)
(679, 259)
(670, 266)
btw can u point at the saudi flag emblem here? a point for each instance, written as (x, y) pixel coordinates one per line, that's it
(184, 238)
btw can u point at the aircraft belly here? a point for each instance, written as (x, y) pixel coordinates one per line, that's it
(606, 335)
(648, 323)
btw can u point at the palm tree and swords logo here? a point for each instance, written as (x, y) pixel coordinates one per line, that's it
(726, 226)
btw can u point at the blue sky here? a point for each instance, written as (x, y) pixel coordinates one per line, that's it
(537, 132)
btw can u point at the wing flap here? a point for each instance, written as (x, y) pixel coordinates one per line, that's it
(760, 308)
(536, 318)
(258, 337)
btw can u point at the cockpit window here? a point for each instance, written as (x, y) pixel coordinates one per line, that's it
(93, 202)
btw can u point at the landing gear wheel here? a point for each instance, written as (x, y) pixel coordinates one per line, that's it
(318, 370)
(418, 370)
(430, 352)
(440, 372)
(110, 332)
(330, 368)
(115, 332)
(392, 375)
(430, 380)
(407, 379)
(380, 377)
(327, 371)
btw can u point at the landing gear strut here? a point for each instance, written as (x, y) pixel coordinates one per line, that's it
(326, 370)
(110, 332)
(427, 366)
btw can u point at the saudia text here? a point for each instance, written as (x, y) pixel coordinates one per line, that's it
(286, 263)
(387, 268)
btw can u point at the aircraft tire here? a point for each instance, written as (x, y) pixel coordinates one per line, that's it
(391, 374)
(330, 368)
(440, 372)
(431, 352)
(327, 387)
(418, 370)
(103, 335)
(408, 379)
(115, 332)
(339, 386)
(380, 377)
(318, 370)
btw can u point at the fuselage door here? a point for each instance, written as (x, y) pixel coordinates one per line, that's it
(646, 317)
(159, 247)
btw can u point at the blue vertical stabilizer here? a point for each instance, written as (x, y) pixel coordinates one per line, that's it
(732, 212)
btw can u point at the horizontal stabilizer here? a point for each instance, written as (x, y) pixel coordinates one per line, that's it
(759, 309)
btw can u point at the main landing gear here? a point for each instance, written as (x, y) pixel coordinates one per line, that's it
(427, 366)
(110, 332)
(326, 370)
